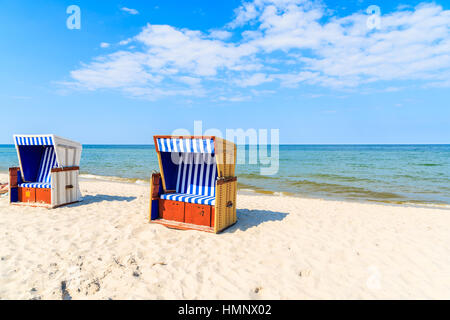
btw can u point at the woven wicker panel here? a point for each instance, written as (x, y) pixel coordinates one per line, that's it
(233, 196)
(229, 159)
(220, 210)
(225, 216)
(226, 157)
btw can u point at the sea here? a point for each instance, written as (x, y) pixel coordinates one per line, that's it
(401, 174)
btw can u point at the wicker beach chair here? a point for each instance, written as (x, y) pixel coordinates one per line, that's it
(48, 171)
(197, 186)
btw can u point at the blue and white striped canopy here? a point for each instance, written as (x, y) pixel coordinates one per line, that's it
(185, 145)
(38, 140)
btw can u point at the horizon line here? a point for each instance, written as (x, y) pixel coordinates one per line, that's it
(247, 144)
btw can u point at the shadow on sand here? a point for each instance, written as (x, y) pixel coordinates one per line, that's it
(99, 198)
(252, 218)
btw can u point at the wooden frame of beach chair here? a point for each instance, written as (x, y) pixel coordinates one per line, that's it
(48, 171)
(196, 187)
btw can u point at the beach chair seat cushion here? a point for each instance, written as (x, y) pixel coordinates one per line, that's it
(190, 198)
(39, 185)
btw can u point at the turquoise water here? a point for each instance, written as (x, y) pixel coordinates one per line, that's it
(384, 173)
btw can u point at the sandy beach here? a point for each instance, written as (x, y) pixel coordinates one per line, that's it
(281, 248)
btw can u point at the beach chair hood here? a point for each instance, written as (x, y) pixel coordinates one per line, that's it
(38, 154)
(191, 145)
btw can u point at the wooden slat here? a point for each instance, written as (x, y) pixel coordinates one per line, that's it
(13, 177)
(226, 180)
(34, 204)
(182, 225)
(158, 154)
(183, 137)
(65, 169)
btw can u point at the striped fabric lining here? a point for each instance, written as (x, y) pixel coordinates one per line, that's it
(196, 180)
(34, 141)
(197, 175)
(185, 145)
(39, 185)
(197, 199)
(48, 162)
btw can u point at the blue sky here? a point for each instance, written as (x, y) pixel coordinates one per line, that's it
(316, 70)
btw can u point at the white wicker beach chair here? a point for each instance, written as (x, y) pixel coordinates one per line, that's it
(48, 171)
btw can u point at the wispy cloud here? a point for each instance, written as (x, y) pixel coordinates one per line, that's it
(234, 98)
(104, 45)
(125, 42)
(220, 34)
(253, 80)
(283, 43)
(130, 11)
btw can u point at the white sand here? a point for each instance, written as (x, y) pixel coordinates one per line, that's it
(281, 247)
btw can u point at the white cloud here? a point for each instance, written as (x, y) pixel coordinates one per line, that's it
(412, 44)
(125, 42)
(190, 51)
(254, 80)
(104, 45)
(155, 93)
(284, 42)
(118, 70)
(130, 11)
(244, 14)
(189, 80)
(238, 98)
(220, 34)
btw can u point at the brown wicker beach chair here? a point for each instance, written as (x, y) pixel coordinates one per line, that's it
(197, 186)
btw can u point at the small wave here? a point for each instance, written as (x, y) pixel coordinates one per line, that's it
(343, 190)
(114, 179)
(256, 176)
(338, 177)
(356, 194)
(250, 188)
(246, 187)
